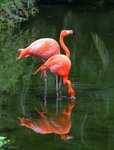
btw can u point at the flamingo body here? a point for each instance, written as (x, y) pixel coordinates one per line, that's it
(43, 48)
(59, 65)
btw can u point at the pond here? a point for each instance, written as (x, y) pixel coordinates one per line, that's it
(91, 74)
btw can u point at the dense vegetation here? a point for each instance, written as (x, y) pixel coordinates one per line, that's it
(14, 12)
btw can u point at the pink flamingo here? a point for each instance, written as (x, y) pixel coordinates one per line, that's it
(59, 65)
(45, 48)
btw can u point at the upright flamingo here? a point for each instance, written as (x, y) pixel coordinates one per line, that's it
(59, 124)
(44, 48)
(59, 65)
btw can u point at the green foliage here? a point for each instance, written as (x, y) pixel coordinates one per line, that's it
(102, 50)
(3, 1)
(6, 143)
(12, 70)
(3, 141)
(104, 56)
(14, 12)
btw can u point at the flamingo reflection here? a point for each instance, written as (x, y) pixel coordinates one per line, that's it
(47, 123)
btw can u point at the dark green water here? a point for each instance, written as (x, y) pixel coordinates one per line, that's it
(92, 76)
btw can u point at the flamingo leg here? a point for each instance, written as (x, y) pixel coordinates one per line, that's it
(45, 92)
(57, 87)
(58, 105)
(57, 92)
(60, 89)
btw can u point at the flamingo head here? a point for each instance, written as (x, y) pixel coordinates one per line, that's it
(23, 53)
(67, 32)
(71, 93)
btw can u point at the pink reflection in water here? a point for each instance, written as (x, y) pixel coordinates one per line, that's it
(49, 123)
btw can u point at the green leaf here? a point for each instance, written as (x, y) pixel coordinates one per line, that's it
(102, 50)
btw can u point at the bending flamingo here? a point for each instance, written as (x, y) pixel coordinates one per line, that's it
(59, 65)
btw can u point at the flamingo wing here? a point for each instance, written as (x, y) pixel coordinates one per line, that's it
(59, 65)
(44, 48)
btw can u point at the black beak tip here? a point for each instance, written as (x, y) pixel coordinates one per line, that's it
(74, 33)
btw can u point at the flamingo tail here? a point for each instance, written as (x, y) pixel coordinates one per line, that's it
(42, 68)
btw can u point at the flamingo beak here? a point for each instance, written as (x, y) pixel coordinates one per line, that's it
(19, 57)
(74, 33)
(23, 53)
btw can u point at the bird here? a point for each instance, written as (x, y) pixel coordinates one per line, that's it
(50, 123)
(59, 65)
(45, 48)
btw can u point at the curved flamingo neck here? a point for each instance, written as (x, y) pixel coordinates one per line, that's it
(68, 83)
(64, 46)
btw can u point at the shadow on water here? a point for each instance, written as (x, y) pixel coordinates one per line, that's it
(91, 75)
